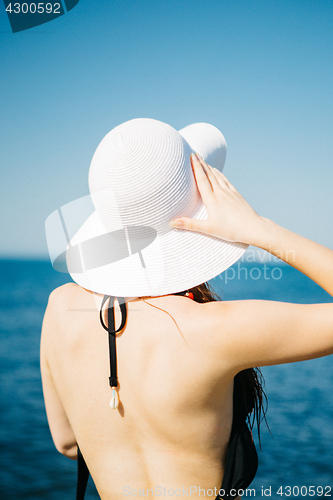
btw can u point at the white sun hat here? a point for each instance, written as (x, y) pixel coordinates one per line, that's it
(140, 179)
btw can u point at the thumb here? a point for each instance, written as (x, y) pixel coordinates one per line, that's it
(189, 224)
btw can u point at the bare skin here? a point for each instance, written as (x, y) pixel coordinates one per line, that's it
(173, 425)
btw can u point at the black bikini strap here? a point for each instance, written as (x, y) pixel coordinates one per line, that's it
(110, 327)
(82, 476)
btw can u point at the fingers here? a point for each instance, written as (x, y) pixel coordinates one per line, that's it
(210, 174)
(220, 177)
(204, 186)
(189, 224)
(228, 183)
(216, 178)
(209, 180)
(213, 175)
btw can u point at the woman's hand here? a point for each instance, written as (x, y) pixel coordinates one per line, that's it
(230, 217)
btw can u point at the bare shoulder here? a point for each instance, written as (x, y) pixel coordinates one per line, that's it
(202, 322)
(69, 296)
(63, 293)
(62, 301)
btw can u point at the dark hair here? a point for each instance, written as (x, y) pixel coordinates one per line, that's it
(250, 382)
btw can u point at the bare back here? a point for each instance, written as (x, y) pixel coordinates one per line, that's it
(173, 424)
(176, 385)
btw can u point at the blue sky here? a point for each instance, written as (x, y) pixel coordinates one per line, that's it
(261, 71)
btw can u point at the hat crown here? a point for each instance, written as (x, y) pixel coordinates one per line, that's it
(141, 175)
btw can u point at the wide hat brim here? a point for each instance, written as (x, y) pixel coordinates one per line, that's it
(175, 260)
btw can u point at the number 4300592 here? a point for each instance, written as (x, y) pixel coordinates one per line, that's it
(34, 8)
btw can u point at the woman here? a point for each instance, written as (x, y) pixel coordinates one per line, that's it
(177, 423)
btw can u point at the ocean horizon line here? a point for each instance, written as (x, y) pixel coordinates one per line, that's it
(45, 259)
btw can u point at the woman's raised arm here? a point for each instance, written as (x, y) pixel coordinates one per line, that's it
(257, 332)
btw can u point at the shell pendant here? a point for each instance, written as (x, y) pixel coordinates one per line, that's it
(115, 399)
